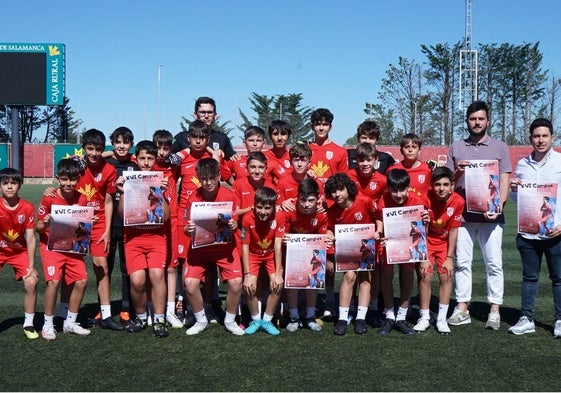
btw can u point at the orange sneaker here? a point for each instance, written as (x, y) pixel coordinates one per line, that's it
(125, 318)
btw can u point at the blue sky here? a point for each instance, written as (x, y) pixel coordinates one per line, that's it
(333, 52)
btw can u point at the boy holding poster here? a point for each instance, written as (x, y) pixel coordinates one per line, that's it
(538, 176)
(261, 236)
(17, 242)
(349, 208)
(223, 255)
(62, 265)
(305, 220)
(445, 213)
(396, 196)
(145, 241)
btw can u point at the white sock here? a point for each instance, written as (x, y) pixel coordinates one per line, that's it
(401, 314)
(256, 317)
(361, 312)
(171, 308)
(343, 313)
(159, 318)
(48, 321)
(105, 311)
(229, 318)
(390, 313)
(28, 319)
(143, 316)
(267, 317)
(442, 311)
(425, 313)
(71, 318)
(201, 317)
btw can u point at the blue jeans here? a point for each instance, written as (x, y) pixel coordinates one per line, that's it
(531, 253)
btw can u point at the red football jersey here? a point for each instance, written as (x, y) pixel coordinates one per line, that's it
(261, 235)
(13, 225)
(444, 216)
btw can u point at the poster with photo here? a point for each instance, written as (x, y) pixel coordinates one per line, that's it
(536, 204)
(482, 186)
(211, 223)
(355, 247)
(70, 229)
(143, 198)
(305, 261)
(405, 233)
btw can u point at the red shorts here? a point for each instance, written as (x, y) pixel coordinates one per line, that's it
(59, 265)
(256, 263)
(19, 262)
(230, 267)
(145, 254)
(98, 250)
(438, 256)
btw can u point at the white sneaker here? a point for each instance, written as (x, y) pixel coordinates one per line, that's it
(442, 327)
(173, 321)
(76, 329)
(524, 325)
(234, 328)
(293, 325)
(196, 328)
(493, 321)
(557, 329)
(459, 317)
(49, 334)
(422, 325)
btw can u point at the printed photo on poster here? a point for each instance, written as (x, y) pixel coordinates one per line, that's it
(536, 204)
(405, 233)
(355, 247)
(211, 223)
(305, 261)
(482, 186)
(70, 229)
(143, 198)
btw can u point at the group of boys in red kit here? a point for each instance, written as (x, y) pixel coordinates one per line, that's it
(307, 189)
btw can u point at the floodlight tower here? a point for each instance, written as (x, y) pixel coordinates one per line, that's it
(468, 66)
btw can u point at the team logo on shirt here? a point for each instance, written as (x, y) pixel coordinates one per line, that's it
(373, 185)
(313, 222)
(329, 154)
(21, 218)
(358, 216)
(421, 178)
(286, 164)
(87, 191)
(450, 211)
(11, 235)
(215, 146)
(51, 271)
(320, 168)
(98, 177)
(264, 244)
(42, 210)
(273, 224)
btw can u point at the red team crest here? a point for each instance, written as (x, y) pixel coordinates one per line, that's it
(21, 218)
(421, 179)
(329, 155)
(358, 216)
(450, 211)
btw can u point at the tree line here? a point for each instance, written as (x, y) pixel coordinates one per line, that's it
(417, 96)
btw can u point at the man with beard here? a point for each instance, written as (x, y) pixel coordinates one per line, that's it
(487, 228)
